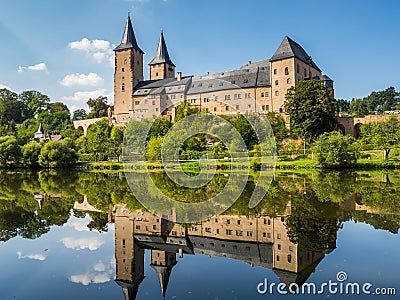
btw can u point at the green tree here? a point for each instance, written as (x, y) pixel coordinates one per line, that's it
(79, 114)
(98, 139)
(55, 122)
(116, 139)
(11, 109)
(358, 108)
(344, 105)
(382, 100)
(98, 107)
(160, 127)
(311, 108)
(57, 155)
(384, 135)
(153, 148)
(9, 150)
(246, 130)
(333, 150)
(278, 125)
(30, 153)
(185, 109)
(58, 106)
(35, 101)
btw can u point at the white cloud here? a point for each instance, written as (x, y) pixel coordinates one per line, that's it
(2, 86)
(99, 50)
(37, 67)
(77, 79)
(38, 256)
(101, 273)
(92, 244)
(84, 96)
(78, 224)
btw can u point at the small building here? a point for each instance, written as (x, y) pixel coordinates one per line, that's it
(41, 135)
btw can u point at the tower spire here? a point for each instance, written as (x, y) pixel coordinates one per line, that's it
(162, 55)
(128, 39)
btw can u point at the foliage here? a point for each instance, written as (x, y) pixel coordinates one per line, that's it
(55, 122)
(30, 154)
(311, 108)
(245, 130)
(160, 127)
(153, 148)
(35, 101)
(385, 134)
(185, 109)
(333, 150)
(98, 107)
(58, 106)
(358, 108)
(98, 139)
(11, 109)
(79, 114)
(382, 100)
(278, 125)
(116, 140)
(9, 150)
(57, 155)
(344, 105)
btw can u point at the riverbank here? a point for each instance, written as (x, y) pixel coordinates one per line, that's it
(282, 163)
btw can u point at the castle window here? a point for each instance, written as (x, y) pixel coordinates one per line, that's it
(247, 95)
(193, 101)
(278, 236)
(305, 72)
(237, 96)
(156, 73)
(153, 102)
(200, 84)
(228, 221)
(290, 248)
(298, 68)
(288, 81)
(233, 81)
(238, 222)
(125, 61)
(289, 258)
(264, 234)
(286, 71)
(123, 69)
(208, 230)
(227, 97)
(221, 84)
(239, 233)
(277, 258)
(138, 62)
(156, 108)
(266, 94)
(279, 246)
(210, 85)
(262, 95)
(138, 227)
(237, 106)
(153, 96)
(215, 109)
(276, 93)
(216, 98)
(226, 107)
(123, 87)
(245, 81)
(263, 107)
(228, 232)
(281, 110)
(249, 233)
(275, 71)
(173, 232)
(123, 77)
(276, 82)
(137, 102)
(217, 231)
(269, 235)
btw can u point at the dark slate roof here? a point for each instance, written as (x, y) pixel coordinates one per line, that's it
(323, 78)
(128, 39)
(289, 48)
(162, 55)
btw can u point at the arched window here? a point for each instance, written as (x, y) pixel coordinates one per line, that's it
(286, 71)
(123, 87)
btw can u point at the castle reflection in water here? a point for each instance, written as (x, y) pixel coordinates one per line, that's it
(259, 241)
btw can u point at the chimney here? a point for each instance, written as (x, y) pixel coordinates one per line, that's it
(249, 63)
(179, 77)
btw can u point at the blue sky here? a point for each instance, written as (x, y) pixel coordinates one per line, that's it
(63, 48)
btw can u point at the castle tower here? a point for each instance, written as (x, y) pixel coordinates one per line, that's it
(163, 262)
(129, 256)
(161, 66)
(128, 73)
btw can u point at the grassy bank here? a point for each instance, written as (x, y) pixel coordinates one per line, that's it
(282, 163)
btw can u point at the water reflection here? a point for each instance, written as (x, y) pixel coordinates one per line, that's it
(290, 232)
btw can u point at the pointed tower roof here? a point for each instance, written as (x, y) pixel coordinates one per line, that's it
(128, 39)
(40, 129)
(163, 273)
(162, 55)
(289, 48)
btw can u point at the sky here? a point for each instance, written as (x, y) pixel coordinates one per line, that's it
(64, 48)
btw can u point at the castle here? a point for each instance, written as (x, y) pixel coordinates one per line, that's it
(257, 87)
